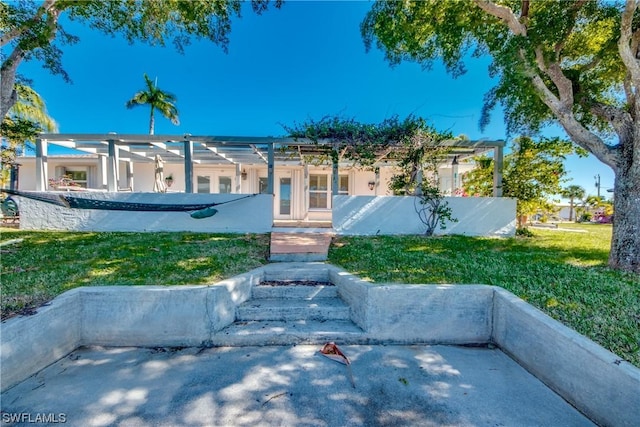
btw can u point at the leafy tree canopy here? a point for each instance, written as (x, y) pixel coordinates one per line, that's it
(533, 172)
(575, 42)
(574, 63)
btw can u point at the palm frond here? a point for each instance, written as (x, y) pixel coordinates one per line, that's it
(157, 99)
(31, 107)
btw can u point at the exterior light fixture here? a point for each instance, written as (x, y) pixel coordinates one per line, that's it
(243, 174)
(454, 175)
(372, 184)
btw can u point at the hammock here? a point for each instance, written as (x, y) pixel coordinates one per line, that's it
(198, 210)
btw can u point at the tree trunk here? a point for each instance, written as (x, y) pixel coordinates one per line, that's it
(8, 96)
(625, 242)
(571, 209)
(151, 122)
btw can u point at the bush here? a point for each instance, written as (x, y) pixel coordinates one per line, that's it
(585, 217)
(523, 232)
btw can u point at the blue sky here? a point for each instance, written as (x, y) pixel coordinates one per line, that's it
(305, 60)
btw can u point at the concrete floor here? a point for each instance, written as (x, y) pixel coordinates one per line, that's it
(292, 386)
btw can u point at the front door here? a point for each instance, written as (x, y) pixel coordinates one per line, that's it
(283, 205)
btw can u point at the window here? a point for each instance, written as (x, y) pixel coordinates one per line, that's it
(318, 191)
(343, 187)
(224, 184)
(204, 184)
(75, 176)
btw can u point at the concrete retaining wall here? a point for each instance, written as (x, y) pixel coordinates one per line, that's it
(390, 215)
(591, 378)
(594, 380)
(443, 314)
(149, 316)
(250, 215)
(31, 343)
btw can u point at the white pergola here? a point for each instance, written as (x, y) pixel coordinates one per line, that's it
(188, 150)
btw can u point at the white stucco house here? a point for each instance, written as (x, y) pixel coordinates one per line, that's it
(302, 188)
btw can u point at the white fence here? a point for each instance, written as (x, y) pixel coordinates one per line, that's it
(389, 215)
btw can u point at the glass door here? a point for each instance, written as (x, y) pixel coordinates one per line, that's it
(203, 184)
(285, 197)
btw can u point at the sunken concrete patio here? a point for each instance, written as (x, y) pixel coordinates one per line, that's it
(421, 354)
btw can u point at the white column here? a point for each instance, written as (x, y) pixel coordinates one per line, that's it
(130, 175)
(42, 175)
(238, 178)
(102, 172)
(419, 181)
(498, 159)
(188, 166)
(112, 167)
(270, 170)
(454, 175)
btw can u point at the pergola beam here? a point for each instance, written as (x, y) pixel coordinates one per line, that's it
(180, 148)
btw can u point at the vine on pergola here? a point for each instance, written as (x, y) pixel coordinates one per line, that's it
(417, 148)
(338, 139)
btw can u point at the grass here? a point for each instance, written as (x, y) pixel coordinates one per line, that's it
(45, 264)
(562, 273)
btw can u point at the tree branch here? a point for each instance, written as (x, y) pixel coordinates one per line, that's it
(17, 32)
(10, 65)
(561, 105)
(504, 13)
(626, 36)
(619, 119)
(576, 131)
(524, 13)
(628, 90)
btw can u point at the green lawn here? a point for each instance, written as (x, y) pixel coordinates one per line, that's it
(45, 264)
(563, 273)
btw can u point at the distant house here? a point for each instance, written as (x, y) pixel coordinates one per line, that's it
(290, 170)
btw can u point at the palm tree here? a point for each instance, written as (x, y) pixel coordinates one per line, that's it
(31, 107)
(24, 121)
(573, 192)
(158, 100)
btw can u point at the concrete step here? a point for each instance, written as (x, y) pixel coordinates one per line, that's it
(289, 332)
(295, 291)
(297, 271)
(299, 257)
(293, 309)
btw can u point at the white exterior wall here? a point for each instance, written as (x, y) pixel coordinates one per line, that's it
(394, 215)
(250, 215)
(27, 177)
(144, 177)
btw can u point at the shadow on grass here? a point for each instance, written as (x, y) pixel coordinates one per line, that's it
(45, 264)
